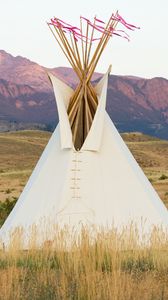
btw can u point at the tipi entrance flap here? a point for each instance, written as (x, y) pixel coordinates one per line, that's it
(63, 94)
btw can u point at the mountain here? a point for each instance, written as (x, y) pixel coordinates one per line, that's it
(22, 71)
(137, 104)
(27, 100)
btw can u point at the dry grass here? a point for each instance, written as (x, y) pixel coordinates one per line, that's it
(19, 152)
(152, 155)
(109, 267)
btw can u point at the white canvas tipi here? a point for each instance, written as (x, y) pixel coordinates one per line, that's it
(86, 174)
(100, 184)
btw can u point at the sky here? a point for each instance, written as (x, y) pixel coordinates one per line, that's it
(23, 31)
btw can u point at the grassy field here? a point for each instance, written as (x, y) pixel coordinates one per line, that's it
(112, 267)
(19, 152)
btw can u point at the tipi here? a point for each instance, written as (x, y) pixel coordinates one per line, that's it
(86, 173)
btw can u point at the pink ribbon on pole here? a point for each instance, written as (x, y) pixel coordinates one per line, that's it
(67, 28)
(122, 21)
(123, 36)
(56, 23)
(67, 24)
(99, 28)
(87, 20)
(99, 21)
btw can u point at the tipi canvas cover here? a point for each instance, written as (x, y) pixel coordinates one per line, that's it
(100, 184)
(86, 174)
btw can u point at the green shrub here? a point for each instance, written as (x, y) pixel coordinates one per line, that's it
(163, 177)
(5, 208)
(141, 264)
(8, 191)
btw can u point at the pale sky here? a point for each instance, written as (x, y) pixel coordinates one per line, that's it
(23, 31)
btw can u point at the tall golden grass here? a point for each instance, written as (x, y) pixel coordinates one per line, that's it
(96, 264)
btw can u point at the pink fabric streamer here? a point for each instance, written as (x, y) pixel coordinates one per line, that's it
(99, 28)
(122, 32)
(111, 31)
(72, 29)
(131, 25)
(62, 22)
(56, 23)
(87, 20)
(67, 28)
(122, 21)
(98, 20)
(123, 36)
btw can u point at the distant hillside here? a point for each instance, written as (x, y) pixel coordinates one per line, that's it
(26, 98)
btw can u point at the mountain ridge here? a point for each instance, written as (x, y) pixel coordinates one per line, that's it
(26, 96)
